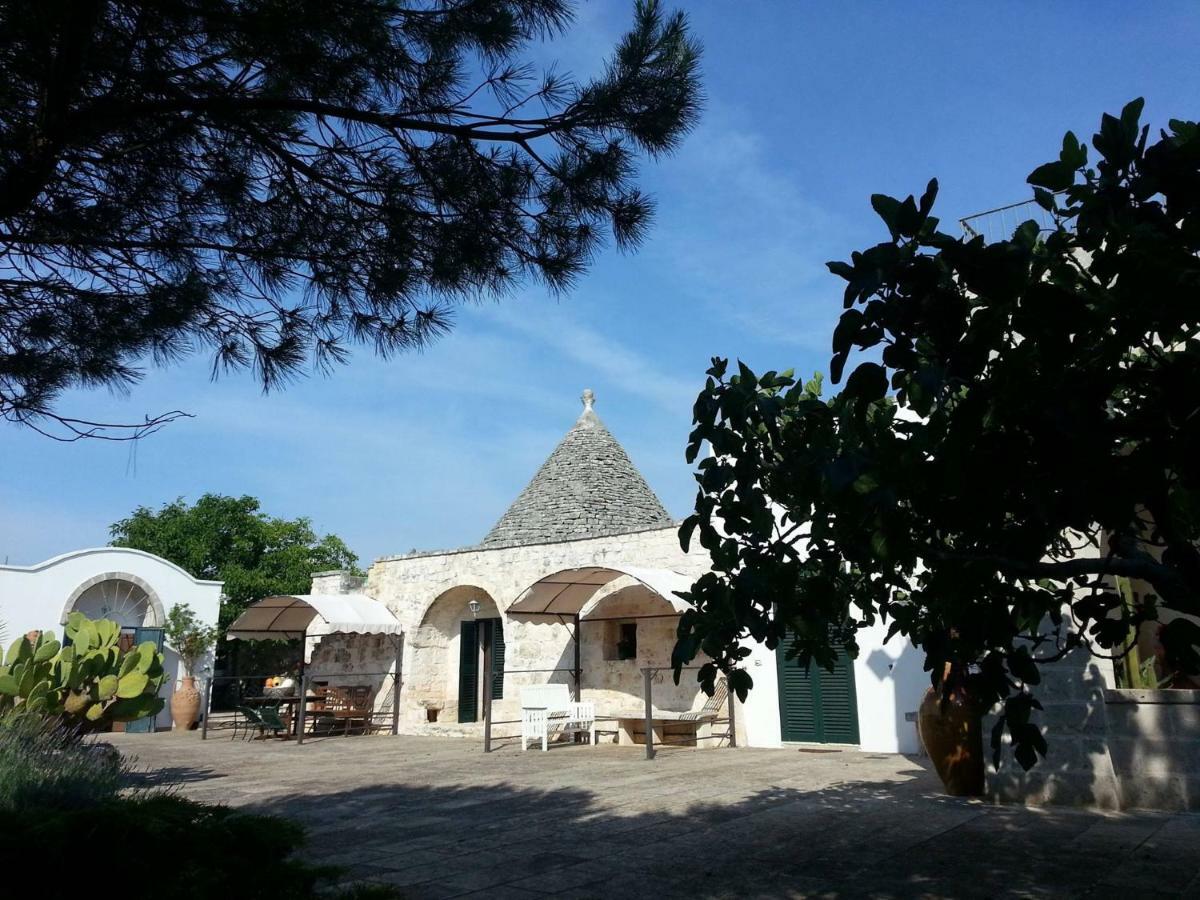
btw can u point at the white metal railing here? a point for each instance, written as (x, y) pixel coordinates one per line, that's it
(999, 224)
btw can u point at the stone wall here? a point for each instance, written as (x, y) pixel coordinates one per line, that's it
(1077, 771)
(1154, 745)
(1108, 748)
(355, 659)
(336, 581)
(429, 593)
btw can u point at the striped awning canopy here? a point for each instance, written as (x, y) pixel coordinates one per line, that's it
(293, 615)
(570, 591)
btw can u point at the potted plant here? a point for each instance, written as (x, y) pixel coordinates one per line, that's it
(950, 723)
(191, 640)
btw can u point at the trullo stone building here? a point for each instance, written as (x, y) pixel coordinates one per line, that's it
(588, 548)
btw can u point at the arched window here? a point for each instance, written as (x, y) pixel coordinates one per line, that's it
(121, 600)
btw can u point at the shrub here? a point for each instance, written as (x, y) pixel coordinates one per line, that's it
(44, 763)
(168, 846)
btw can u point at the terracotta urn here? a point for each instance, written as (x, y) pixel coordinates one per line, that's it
(185, 704)
(952, 733)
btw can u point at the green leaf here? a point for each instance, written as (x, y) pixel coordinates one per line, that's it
(888, 209)
(879, 545)
(129, 662)
(132, 685)
(9, 685)
(108, 686)
(868, 382)
(865, 483)
(46, 651)
(147, 655)
(19, 650)
(686, 530)
(930, 195)
(1022, 665)
(136, 708)
(841, 269)
(1052, 175)
(86, 637)
(1074, 154)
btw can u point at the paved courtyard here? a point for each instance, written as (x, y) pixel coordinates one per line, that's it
(439, 818)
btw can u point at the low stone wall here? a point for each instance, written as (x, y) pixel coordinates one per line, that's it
(1154, 745)
(1108, 748)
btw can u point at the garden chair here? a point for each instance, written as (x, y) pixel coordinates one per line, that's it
(248, 719)
(272, 721)
(715, 711)
(349, 705)
(260, 720)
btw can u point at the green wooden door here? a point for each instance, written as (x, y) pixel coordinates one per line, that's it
(816, 706)
(468, 671)
(476, 633)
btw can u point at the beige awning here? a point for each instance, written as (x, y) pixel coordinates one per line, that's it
(569, 591)
(292, 615)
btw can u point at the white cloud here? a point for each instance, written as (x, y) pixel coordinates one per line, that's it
(616, 361)
(758, 262)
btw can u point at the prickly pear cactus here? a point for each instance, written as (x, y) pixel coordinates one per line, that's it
(88, 683)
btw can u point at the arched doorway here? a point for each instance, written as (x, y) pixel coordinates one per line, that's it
(460, 637)
(625, 628)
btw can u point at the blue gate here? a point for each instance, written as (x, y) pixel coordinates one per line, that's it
(140, 635)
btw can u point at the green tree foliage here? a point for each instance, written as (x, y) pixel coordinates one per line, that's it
(230, 539)
(275, 180)
(188, 636)
(1024, 430)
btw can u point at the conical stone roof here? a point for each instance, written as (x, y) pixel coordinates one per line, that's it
(588, 487)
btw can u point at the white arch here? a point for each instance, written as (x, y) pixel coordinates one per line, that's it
(159, 616)
(73, 554)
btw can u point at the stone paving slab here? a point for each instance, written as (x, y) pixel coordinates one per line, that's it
(439, 818)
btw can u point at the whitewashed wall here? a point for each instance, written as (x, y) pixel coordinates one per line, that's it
(759, 724)
(35, 598)
(890, 681)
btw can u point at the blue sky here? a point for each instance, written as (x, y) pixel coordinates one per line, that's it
(810, 110)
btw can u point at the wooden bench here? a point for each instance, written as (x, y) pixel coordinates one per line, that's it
(349, 704)
(549, 707)
(688, 727)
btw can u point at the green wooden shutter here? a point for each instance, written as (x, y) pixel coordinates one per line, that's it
(797, 698)
(839, 704)
(815, 705)
(497, 628)
(468, 672)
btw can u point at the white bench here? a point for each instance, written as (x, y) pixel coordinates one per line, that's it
(549, 706)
